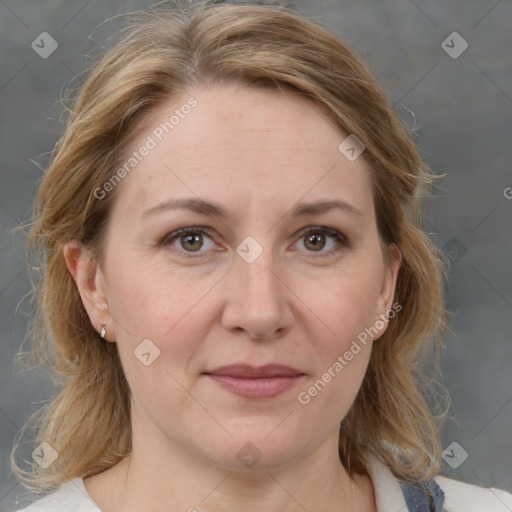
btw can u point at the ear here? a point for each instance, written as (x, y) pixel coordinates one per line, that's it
(387, 293)
(90, 282)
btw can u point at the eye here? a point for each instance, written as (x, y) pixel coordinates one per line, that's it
(192, 239)
(187, 240)
(316, 239)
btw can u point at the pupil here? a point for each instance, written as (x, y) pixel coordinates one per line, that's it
(191, 239)
(316, 241)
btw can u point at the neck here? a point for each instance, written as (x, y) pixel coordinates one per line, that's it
(162, 477)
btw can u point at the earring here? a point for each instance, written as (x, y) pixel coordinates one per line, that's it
(103, 331)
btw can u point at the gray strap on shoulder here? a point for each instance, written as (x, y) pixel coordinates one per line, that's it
(427, 497)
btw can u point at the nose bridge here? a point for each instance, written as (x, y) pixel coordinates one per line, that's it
(257, 300)
(256, 269)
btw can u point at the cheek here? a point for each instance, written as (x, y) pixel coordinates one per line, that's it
(158, 306)
(341, 335)
(155, 298)
(346, 302)
(164, 306)
(341, 339)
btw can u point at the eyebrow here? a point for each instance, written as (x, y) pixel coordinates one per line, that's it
(213, 209)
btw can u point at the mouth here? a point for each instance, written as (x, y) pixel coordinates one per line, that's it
(256, 382)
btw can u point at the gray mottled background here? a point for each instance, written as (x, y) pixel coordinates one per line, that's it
(462, 110)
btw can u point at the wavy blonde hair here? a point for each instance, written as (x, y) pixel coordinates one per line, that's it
(163, 53)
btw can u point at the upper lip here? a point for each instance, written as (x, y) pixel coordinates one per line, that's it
(245, 371)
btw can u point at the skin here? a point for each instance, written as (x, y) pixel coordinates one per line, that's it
(258, 153)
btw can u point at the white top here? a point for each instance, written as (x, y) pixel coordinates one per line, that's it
(459, 496)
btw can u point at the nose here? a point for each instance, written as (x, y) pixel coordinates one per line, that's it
(258, 301)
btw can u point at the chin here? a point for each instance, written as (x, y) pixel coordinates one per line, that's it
(254, 448)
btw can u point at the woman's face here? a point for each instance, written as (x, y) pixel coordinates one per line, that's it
(257, 283)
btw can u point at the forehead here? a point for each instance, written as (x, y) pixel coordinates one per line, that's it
(251, 148)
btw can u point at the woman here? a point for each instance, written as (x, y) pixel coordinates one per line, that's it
(236, 287)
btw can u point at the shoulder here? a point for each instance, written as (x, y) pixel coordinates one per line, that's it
(448, 495)
(463, 497)
(71, 494)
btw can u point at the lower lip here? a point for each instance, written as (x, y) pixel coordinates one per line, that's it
(267, 387)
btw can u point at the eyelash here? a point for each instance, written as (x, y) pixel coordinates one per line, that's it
(324, 230)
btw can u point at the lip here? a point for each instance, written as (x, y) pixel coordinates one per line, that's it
(256, 382)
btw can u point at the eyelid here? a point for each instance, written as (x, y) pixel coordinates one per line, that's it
(331, 232)
(334, 233)
(167, 239)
